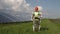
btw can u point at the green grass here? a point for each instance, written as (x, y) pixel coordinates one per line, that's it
(47, 27)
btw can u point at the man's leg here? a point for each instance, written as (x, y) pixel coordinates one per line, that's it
(39, 24)
(33, 25)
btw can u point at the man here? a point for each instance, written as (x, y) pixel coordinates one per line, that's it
(36, 15)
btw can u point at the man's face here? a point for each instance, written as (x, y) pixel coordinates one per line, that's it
(36, 8)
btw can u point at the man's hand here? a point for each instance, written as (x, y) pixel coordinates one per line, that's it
(32, 16)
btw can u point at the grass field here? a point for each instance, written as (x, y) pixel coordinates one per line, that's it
(48, 26)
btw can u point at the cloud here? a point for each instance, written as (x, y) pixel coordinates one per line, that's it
(20, 9)
(40, 8)
(13, 4)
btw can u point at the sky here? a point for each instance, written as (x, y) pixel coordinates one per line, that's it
(23, 8)
(52, 7)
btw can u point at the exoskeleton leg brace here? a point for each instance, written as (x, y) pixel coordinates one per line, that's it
(34, 25)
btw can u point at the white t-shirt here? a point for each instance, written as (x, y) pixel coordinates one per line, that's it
(37, 14)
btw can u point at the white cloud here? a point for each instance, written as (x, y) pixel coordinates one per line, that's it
(40, 8)
(14, 4)
(21, 8)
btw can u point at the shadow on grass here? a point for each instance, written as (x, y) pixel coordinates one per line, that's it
(44, 28)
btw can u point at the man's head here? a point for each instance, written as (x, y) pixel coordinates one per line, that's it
(36, 8)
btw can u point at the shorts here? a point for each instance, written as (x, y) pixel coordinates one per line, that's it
(34, 22)
(37, 18)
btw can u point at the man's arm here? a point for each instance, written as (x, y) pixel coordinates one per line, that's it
(40, 14)
(32, 16)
